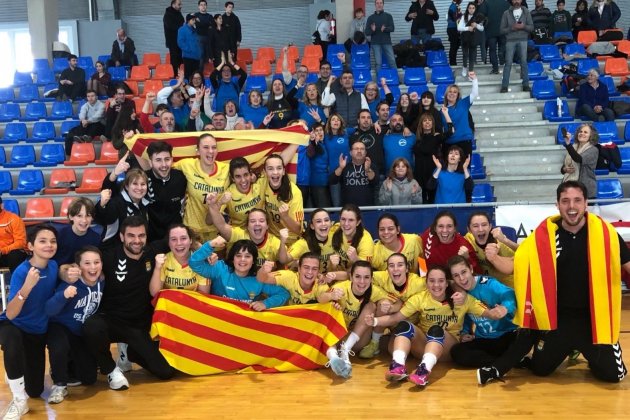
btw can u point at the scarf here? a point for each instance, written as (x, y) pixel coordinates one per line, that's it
(569, 162)
(535, 279)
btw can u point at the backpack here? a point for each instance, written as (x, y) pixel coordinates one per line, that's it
(540, 36)
(609, 156)
(433, 45)
(611, 35)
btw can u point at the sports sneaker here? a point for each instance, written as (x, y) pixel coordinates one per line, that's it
(504, 89)
(464, 72)
(487, 374)
(340, 367)
(370, 350)
(421, 376)
(57, 394)
(72, 382)
(123, 362)
(396, 372)
(117, 380)
(345, 354)
(87, 139)
(16, 409)
(494, 71)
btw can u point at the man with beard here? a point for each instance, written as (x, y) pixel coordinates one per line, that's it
(373, 141)
(397, 143)
(125, 312)
(357, 177)
(166, 119)
(347, 101)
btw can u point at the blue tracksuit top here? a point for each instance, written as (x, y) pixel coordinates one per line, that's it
(491, 292)
(72, 313)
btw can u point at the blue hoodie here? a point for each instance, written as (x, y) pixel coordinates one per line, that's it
(72, 313)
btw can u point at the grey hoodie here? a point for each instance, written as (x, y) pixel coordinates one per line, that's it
(507, 21)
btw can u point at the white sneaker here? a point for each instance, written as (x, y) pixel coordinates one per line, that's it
(117, 380)
(123, 362)
(57, 394)
(15, 410)
(339, 367)
(464, 72)
(345, 354)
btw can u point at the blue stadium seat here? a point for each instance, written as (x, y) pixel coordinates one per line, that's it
(6, 182)
(28, 93)
(45, 76)
(586, 64)
(544, 89)
(442, 75)
(9, 112)
(21, 79)
(14, 132)
(61, 110)
(536, 71)
(21, 155)
(7, 95)
(564, 34)
(60, 64)
(47, 88)
(626, 131)
(550, 112)
(575, 48)
(625, 161)
(439, 93)
(85, 61)
(395, 92)
(622, 98)
(557, 64)
(11, 204)
(65, 127)
(549, 52)
(362, 49)
(335, 63)
(29, 182)
(40, 64)
(419, 89)
(79, 105)
(483, 193)
(255, 82)
(477, 170)
(35, 111)
(2, 156)
(415, 76)
(608, 132)
(42, 132)
(333, 49)
(570, 127)
(52, 154)
(361, 78)
(119, 74)
(390, 75)
(609, 188)
(361, 62)
(610, 84)
(436, 58)
(104, 58)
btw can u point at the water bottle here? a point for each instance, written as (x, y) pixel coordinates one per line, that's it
(559, 104)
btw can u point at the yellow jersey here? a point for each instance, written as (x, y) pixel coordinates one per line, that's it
(200, 184)
(487, 267)
(365, 250)
(272, 205)
(410, 247)
(290, 280)
(433, 312)
(267, 250)
(351, 305)
(176, 276)
(415, 284)
(242, 203)
(326, 250)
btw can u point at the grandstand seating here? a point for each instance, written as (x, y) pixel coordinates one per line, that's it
(570, 127)
(61, 181)
(45, 76)
(291, 67)
(361, 62)
(440, 91)
(616, 66)
(477, 170)
(21, 79)
(39, 208)
(65, 203)
(536, 71)
(395, 89)
(40, 64)
(293, 53)
(81, 154)
(550, 112)
(442, 75)
(29, 182)
(483, 193)
(261, 67)
(92, 180)
(586, 38)
(28, 93)
(436, 58)
(255, 83)
(624, 169)
(313, 51)
(152, 86)
(361, 78)
(119, 74)
(390, 76)
(544, 89)
(14, 132)
(51, 154)
(549, 52)
(163, 72)
(311, 63)
(415, 76)
(624, 47)
(65, 127)
(419, 89)
(266, 54)
(575, 48)
(140, 73)
(3, 158)
(85, 61)
(609, 188)
(61, 110)
(151, 60)
(246, 55)
(22, 155)
(6, 182)
(109, 154)
(34, 111)
(610, 84)
(11, 204)
(59, 64)
(6, 95)
(608, 132)
(586, 64)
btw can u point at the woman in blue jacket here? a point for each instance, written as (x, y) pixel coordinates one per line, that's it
(188, 42)
(235, 278)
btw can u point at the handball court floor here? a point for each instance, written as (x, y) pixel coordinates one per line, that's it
(452, 393)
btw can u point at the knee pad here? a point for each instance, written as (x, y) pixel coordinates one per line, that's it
(436, 335)
(404, 329)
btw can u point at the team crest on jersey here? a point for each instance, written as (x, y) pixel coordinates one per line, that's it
(402, 142)
(483, 279)
(147, 265)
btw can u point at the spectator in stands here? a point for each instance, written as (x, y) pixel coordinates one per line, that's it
(100, 81)
(167, 122)
(593, 102)
(323, 27)
(204, 21)
(453, 184)
(324, 74)
(372, 140)
(116, 105)
(173, 20)
(78, 232)
(221, 79)
(516, 25)
(71, 81)
(300, 73)
(429, 143)
(336, 142)
(220, 40)
(218, 123)
(454, 14)
(580, 20)
(560, 19)
(188, 42)
(471, 31)
(12, 239)
(92, 117)
(427, 106)
(541, 16)
(253, 111)
(319, 172)
(357, 30)
(422, 14)
(459, 112)
(232, 24)
(280, 106)
(310, 107)
(233, 121)
(581, 158)
(603, 15)
(482, 11)
(408, 107)
(357, 176)
(398, 142)
(493, 35)
(348, 101)
(373, 96)
(379, 26)
(399, 188)
(179, 98)
(126, 123)
(123, 51)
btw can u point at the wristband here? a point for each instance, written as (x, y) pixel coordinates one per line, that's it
(375, 322)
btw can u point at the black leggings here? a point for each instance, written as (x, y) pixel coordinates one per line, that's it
(24, 356)
(481, 351)
(65, 347)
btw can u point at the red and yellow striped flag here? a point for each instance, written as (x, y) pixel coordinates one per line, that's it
(203, 335)
(254, 145)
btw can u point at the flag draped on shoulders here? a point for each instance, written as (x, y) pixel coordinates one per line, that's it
(254, 145)
(202, 335)
(535, 279)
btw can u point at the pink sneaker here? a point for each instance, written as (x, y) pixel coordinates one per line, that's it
(421, 376)
(396, 372)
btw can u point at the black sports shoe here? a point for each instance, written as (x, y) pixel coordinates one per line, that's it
(487, 374)
(494, 71)
(504, 89)
(526, 88)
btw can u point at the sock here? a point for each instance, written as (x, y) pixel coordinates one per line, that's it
(352, 339)
(331, 353)
(17, 388)
(429, 361)
(399, 356)
(376, 337)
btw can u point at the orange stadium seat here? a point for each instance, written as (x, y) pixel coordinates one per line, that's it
(261, 68)
(313, 51)
(586, 38)
(139, 102)
(266, 53)
(140, 73)
(81, 154)
(290, 66)
(624, 47)
(294, 53)
(163, 72)
(92, 180)
(311, 63)
(616, 67)
(109, 154)
(246, 55)
(39, 208)
(151, 59)
(152, 86)
(63, 211)
(133, 85)
(61, 180)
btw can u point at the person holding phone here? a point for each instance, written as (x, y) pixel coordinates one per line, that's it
(516, 26)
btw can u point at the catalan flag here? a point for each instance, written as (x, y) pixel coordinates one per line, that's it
(254, 145)
(203, 335)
